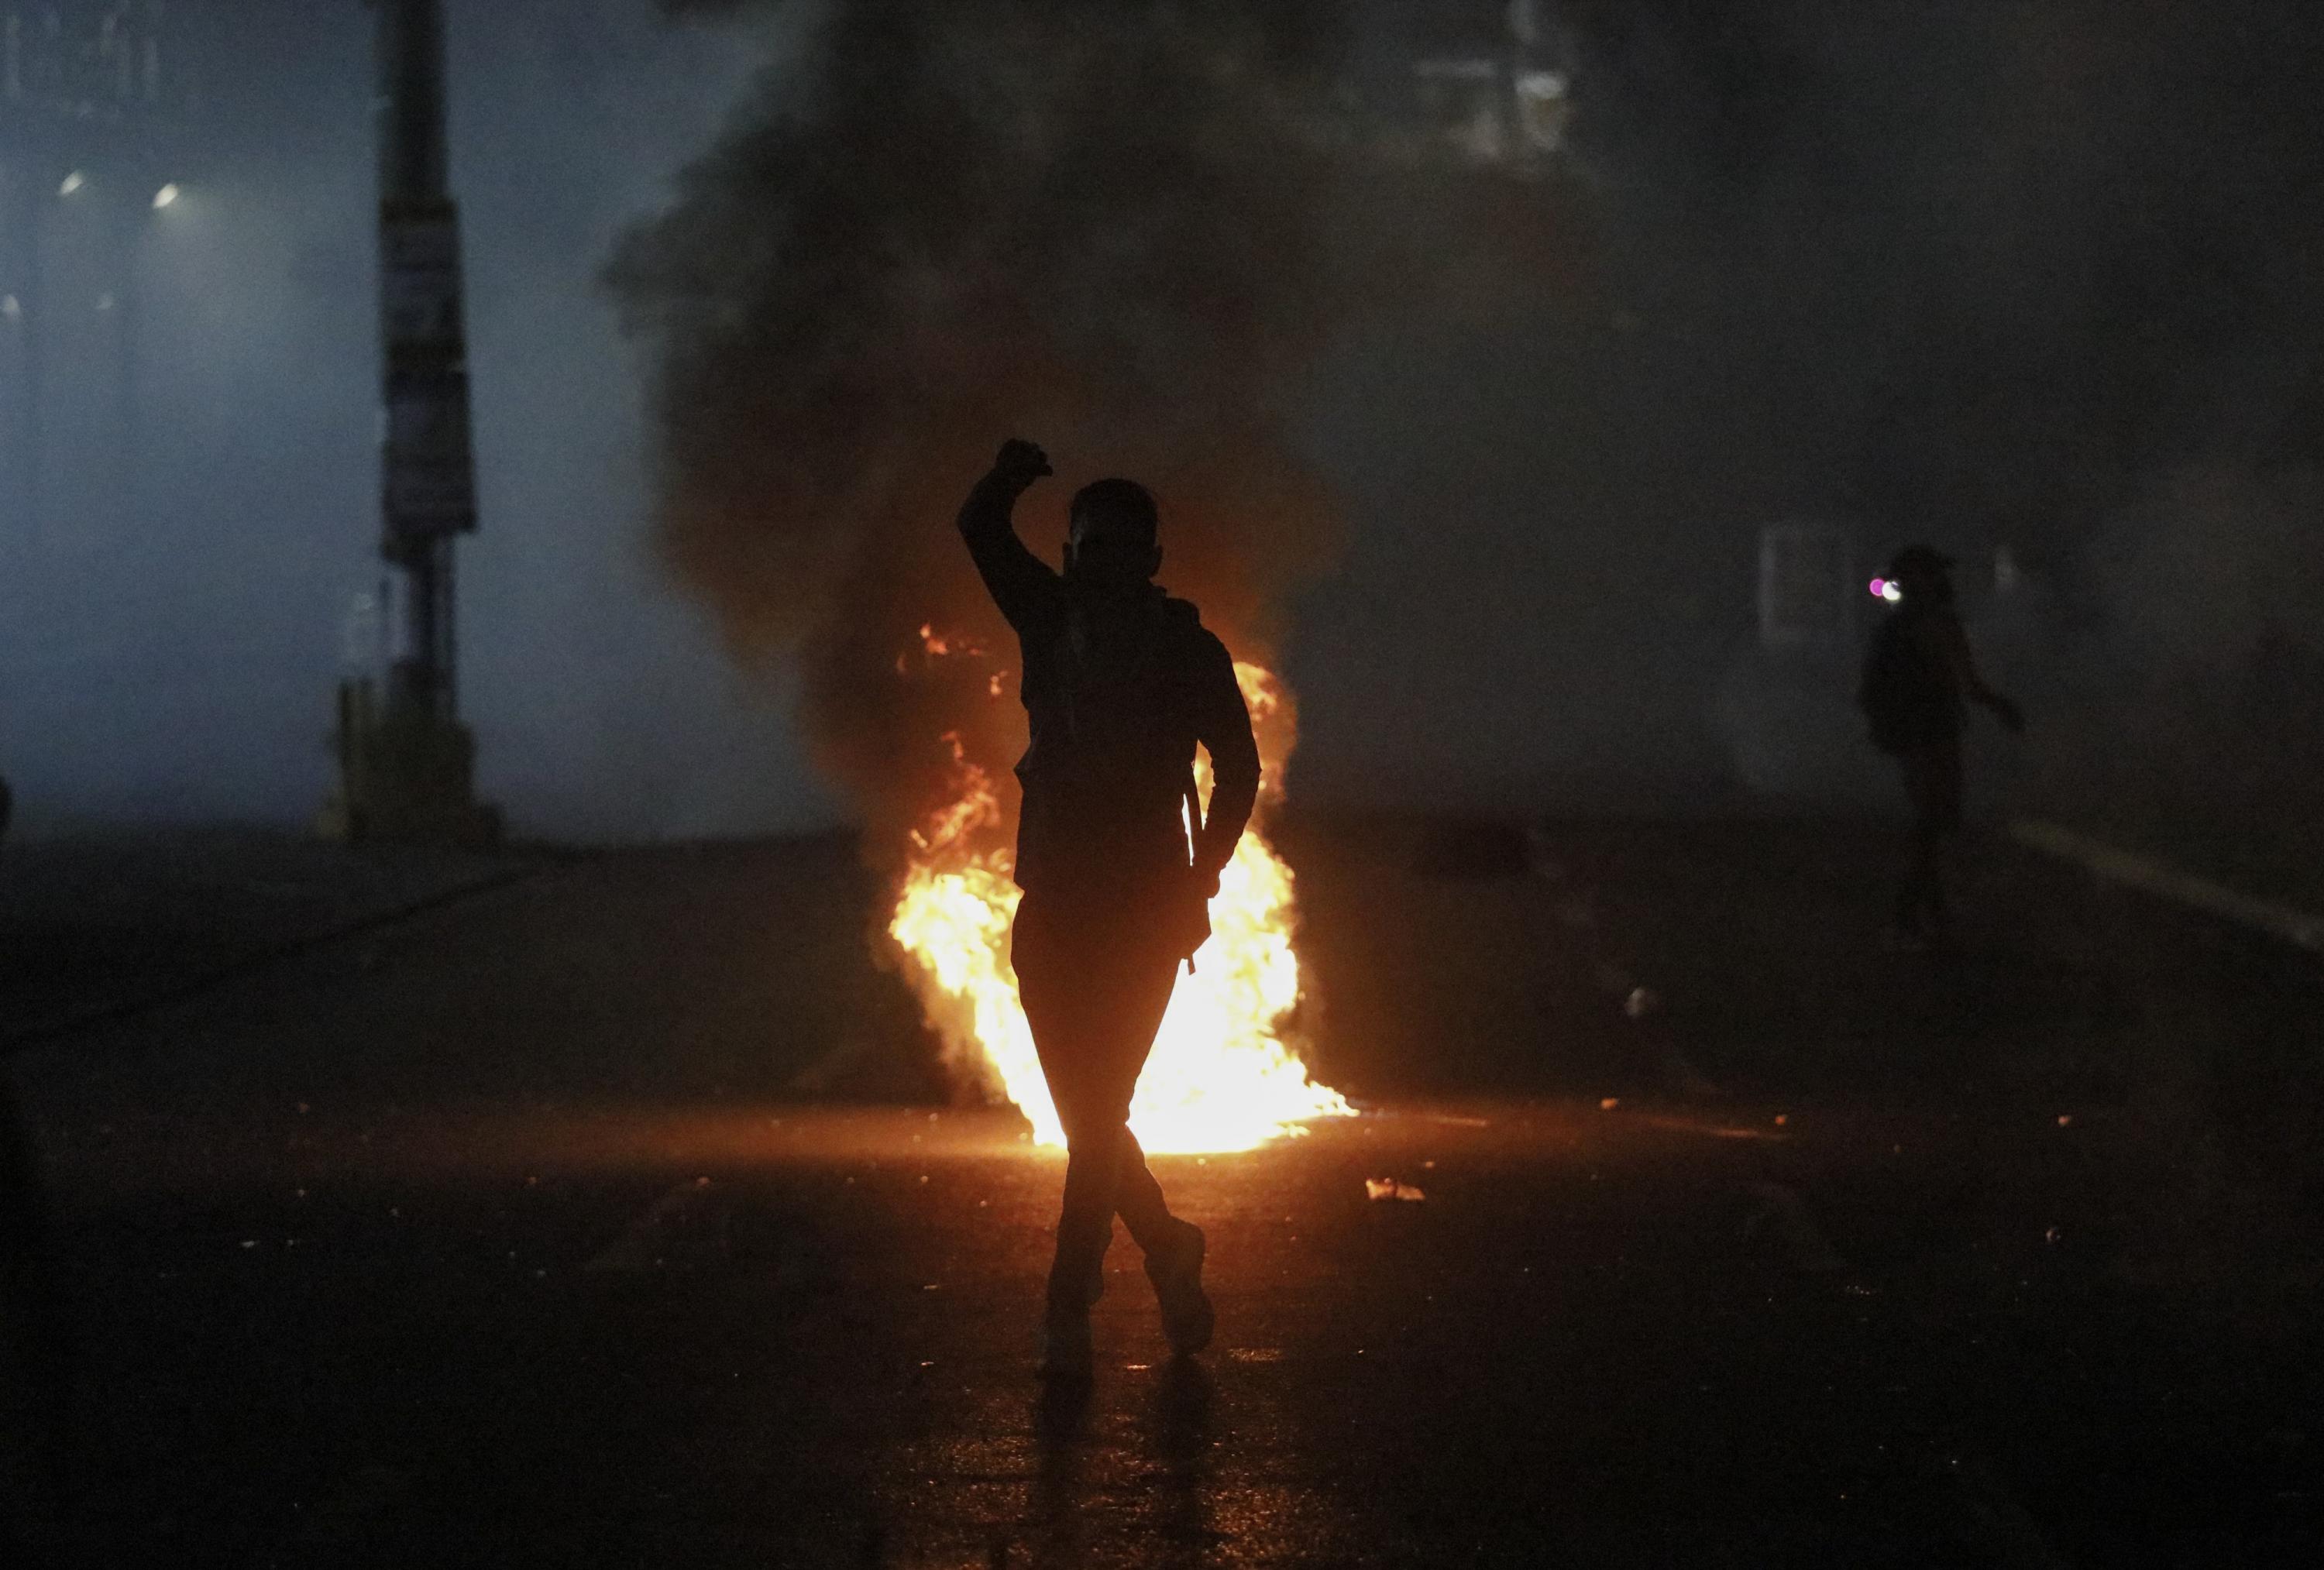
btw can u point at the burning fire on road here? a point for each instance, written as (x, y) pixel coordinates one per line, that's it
(943, 222)
(1224, 1074)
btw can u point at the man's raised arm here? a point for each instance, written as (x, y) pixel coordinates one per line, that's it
(1020, 583)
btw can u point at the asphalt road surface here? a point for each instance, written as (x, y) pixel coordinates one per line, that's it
(615, 1215)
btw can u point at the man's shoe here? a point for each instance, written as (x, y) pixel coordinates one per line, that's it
(1066, 1350)
(1176, 1273)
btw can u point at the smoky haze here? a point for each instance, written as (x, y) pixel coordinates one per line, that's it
(2034, 275)
(1483, 459)
(173, 627)
(2019, 277)
(1109, 227)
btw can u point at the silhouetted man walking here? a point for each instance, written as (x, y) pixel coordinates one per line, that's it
(1918, 679)
(1121, 682)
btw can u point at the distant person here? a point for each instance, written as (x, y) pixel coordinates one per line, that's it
(1919, 678)
(1121, 682)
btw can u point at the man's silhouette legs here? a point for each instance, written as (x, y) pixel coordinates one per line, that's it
(1095, 983)
(1933, 784)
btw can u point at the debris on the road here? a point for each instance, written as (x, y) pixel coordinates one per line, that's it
(1642, 1002)
(1390, 1189)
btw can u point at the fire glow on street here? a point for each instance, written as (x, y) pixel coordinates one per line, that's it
(1224, 1074)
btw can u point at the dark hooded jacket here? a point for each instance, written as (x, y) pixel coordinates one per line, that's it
(1118, 688)
(1915, 676)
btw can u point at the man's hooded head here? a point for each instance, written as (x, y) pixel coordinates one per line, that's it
(1112, 536)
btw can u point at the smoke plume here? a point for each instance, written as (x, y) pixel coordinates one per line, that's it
(1108, 226)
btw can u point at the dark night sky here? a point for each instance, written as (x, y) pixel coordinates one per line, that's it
(2032, 273)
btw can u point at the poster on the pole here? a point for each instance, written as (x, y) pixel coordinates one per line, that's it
(429, 470)
(419, 279)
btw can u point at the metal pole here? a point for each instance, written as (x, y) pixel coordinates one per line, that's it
(408, 770)
(428, 496)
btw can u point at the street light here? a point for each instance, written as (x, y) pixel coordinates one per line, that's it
(165, 196)
(72, 182)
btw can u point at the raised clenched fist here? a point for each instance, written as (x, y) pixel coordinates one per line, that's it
(1021, 463)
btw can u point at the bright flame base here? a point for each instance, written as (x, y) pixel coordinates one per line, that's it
(1221, 1076)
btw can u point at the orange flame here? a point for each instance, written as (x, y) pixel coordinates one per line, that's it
(1222, 1075)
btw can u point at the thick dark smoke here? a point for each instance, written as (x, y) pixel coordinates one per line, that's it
(2034, 274)
(1109, 226)
(2037, 273)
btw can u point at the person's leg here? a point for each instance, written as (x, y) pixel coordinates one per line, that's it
(1923, 895)
(1124, 995)
(1932, 782)
(1094, 992)
(1137, 1197)
(1141, 1000)
(1173, 1249)
(1911, 888)
(1944, 821)
(1055, 982)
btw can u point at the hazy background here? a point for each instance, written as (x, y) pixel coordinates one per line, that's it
(2033, 275)
(178, 662)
